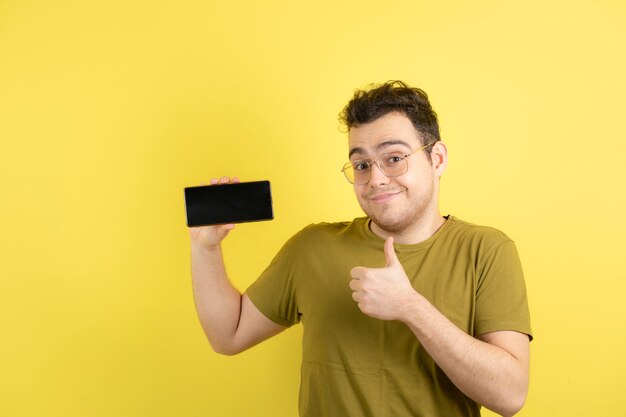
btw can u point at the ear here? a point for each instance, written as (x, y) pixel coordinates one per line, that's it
(439, 158)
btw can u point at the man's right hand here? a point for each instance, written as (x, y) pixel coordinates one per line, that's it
(231, 322)
(210, 237)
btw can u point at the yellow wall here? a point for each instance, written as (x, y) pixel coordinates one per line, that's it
(108, 109)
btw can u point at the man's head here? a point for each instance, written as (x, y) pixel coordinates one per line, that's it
(393, 97)
(396, 157)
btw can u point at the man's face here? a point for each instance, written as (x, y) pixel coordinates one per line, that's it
(398, 203)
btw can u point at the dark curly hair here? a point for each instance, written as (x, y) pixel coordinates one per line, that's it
(393, 96)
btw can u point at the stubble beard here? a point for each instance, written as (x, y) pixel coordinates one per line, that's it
(398, 220)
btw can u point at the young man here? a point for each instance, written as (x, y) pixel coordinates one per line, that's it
(405, 312)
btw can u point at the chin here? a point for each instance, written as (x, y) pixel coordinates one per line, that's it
(390, 225)
(396, 222)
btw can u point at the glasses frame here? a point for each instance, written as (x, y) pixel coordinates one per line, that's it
(371, 162)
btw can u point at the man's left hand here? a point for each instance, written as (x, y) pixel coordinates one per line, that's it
(383, 293)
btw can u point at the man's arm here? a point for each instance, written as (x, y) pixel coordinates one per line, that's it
(491, 369)
(230, 321)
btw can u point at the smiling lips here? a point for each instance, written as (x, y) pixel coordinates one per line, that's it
(383, 197)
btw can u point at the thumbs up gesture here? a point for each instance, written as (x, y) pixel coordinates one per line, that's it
(382, 293)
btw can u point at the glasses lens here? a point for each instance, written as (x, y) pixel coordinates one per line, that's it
(394, 164)
(391, 164)
(360, 171)
(357, 172)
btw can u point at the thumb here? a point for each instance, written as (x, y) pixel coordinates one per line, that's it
(390, 254)
(223, 230)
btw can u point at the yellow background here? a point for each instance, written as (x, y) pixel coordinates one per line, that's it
(108, 109)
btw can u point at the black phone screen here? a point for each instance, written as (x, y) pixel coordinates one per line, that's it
(228, 203)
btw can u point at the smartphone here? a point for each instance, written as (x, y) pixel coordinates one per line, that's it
(228, 203)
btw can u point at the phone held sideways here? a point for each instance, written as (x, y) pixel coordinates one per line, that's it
(228, 203)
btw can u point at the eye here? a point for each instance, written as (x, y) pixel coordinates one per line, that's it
(360, 165)
(392, 159)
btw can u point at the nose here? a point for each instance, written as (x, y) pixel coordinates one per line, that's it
(377, 177)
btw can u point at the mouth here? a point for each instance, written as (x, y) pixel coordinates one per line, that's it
(383, 197)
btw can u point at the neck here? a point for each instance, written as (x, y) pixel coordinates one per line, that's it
(418, 232)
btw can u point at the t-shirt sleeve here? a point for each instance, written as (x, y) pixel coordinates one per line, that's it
(274, 292)
(501, 299)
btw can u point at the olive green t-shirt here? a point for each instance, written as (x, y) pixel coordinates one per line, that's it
(355, 365)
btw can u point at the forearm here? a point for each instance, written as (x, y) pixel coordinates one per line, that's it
(486, 373)
(218, 302)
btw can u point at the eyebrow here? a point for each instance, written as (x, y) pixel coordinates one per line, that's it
(379, 147)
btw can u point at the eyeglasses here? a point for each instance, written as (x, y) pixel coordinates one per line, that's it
(392, 164)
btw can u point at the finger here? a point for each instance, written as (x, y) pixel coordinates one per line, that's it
(390, 254)
(234, 180)
(224, 180)
(213, 181)
(358, 272)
